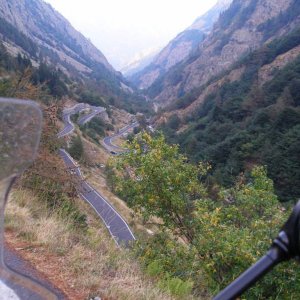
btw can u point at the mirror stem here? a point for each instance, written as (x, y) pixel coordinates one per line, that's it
(284, 247)
(274, 256)
(5, 187)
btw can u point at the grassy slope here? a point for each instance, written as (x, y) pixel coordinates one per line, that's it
(82, 264)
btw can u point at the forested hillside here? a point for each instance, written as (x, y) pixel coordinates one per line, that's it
(248, 114)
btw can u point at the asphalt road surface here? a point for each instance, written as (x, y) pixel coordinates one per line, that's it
(116, 225)
(108, 141)
(95, 111)
(113, 221)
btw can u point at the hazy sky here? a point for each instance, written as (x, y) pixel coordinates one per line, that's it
(122, 29)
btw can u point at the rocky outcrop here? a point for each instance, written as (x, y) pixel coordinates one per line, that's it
(179, 48)
(266, 73)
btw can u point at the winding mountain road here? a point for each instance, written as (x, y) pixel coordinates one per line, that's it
(116, 225)
(69, 126)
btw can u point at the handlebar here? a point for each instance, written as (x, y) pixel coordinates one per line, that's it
(284, 247)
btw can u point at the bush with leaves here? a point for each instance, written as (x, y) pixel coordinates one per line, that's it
(203, 242)
(237, 230)
(159, 182)
(76, 150)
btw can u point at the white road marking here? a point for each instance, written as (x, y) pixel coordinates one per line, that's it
(108, 227)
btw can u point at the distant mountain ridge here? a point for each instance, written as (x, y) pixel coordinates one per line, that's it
(180, 47)
(206, 22)
(142, 60)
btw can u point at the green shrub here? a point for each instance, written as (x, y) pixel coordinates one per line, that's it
(176, 286)
(76, 150)
(154, 269)
(236, 231)
(230, 233)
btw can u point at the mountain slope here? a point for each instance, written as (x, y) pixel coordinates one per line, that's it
(244, 27)
(140, 62)
(33, 30)
(249, 114)
(180, 47)
(48, 29)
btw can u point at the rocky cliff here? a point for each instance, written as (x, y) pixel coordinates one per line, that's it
(179, 48)
(244, 27)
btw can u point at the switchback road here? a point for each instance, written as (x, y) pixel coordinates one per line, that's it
(69, 126)
(116, 225)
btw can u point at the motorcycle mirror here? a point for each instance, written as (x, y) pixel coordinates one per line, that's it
(20, 130)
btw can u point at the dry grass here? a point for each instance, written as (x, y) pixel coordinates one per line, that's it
(83, 264)
(96, 154)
